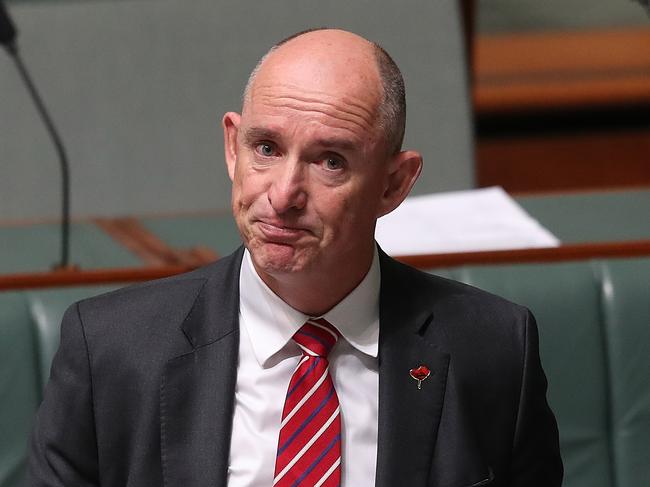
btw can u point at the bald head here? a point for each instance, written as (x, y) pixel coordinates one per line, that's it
(345, 58)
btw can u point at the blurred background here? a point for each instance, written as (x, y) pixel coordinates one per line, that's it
(548, 100)
(137, 89)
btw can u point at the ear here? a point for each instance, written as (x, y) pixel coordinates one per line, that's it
(230, 123)
(403, 170)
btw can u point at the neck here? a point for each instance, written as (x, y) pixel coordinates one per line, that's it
(315, 292)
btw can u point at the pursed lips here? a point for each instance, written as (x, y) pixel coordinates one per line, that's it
(280, 233)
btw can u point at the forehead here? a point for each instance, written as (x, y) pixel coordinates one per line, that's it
(310, 109)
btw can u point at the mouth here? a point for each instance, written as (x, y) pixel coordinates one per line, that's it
(281, 234)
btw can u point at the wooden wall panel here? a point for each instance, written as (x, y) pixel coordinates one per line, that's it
(565, 162)
(564, 110)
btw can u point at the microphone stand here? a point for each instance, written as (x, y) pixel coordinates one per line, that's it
(63, 159)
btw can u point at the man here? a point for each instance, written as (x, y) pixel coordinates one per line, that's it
(224, 376)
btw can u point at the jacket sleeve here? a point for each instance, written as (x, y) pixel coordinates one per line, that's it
(536, 457)
(63, 450)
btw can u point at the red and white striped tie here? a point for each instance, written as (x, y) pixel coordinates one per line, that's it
(309, 446)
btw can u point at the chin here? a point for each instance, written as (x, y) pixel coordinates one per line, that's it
(279, 259)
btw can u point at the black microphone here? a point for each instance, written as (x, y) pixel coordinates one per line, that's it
(646, 4)
(8, 40)
(7, 29)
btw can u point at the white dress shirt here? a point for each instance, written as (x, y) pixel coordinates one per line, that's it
(267, 360)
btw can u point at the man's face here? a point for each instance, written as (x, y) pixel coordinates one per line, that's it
(309, 170)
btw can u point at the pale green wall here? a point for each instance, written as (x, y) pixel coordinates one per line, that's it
(138, 89)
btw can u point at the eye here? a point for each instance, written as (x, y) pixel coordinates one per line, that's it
(265, 149)
(334, 163)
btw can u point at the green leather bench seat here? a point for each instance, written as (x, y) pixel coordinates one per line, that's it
(602, 216)
(36, 248)
(29, 337)
(626, 295)
(594, 323)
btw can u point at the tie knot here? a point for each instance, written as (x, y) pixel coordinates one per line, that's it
(316, 337)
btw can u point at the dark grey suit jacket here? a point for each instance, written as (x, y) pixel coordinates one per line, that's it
(141, 389)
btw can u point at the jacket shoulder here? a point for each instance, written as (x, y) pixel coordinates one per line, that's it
(166, 300)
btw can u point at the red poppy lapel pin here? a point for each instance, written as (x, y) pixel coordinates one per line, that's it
(420, 374)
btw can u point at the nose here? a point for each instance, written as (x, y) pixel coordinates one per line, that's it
(287, 190)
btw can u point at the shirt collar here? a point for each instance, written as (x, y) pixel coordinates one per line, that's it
(270, 322)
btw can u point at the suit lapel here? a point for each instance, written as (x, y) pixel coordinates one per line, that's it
(408, 416)
(425, 436)
(197, 389)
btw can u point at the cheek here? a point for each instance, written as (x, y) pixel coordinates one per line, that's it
(246, 189)
(356, 213)
(338, 215)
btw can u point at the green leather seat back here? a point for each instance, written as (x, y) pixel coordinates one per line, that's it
(565, 300)
(579, 217)
(46, 310)
(626, 301)
(29, 337)
(19, 386)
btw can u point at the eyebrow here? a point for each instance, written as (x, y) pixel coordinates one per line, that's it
(254, 134)
(338, 143)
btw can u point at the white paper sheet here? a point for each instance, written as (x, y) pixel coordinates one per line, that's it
(460, 221)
